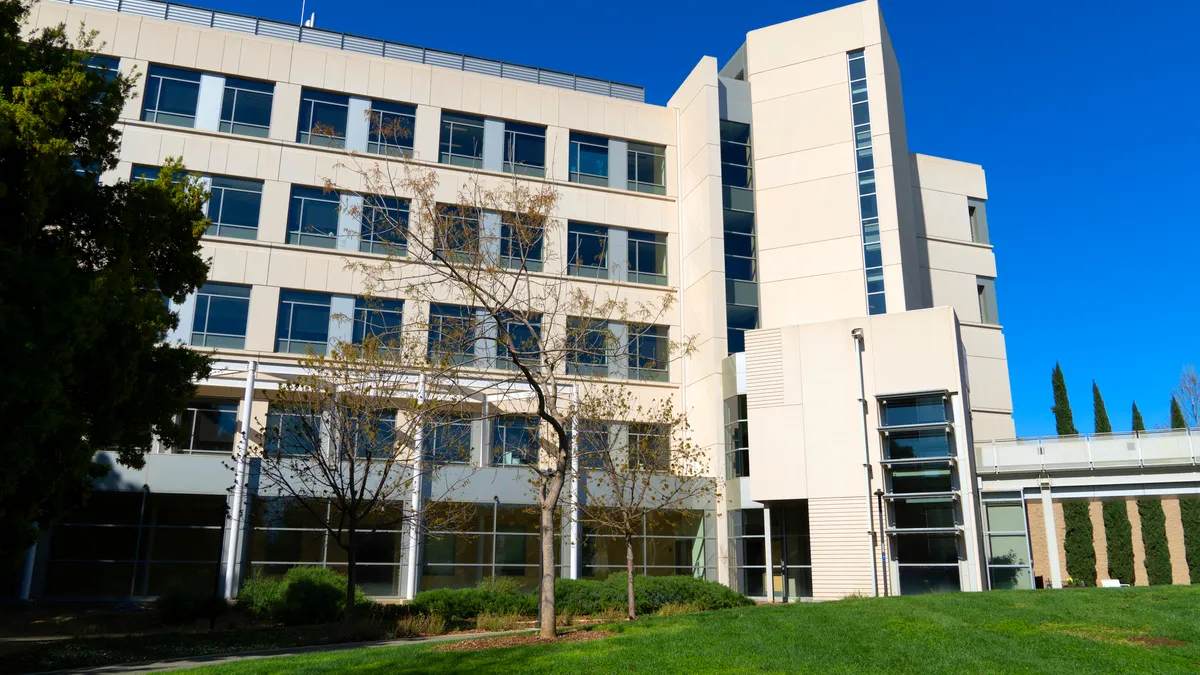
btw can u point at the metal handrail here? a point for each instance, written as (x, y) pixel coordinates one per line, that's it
(241, 23)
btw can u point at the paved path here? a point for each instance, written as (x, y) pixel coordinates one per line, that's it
(217, 659)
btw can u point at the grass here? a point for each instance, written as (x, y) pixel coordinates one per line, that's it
(1072, 631)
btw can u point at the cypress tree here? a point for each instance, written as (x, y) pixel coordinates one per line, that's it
(1177, 419)
(1063, 420)
(1154, 538)
(1101, 415)
(1189, 511)
(1118, 534)
(1138, 424)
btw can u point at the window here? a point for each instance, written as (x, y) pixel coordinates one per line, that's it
(648, 258)
(737, 438)
(391, 129)
(918, 444)
(140, 173)
(105, 66)
(210, 425)
(1008, 555)
(587, 250)
(452, 334)
(589, 160)
(448, 439)
(514, 440)
(648, 353)
(457, 233)
(525, 334)
(313, 217)
(323, 118)
(220, 318)
(986, 289)
(524, 149)
(246, 107)
(648, 168)
(384, 226)
(381, 319)
(233, 207)
(649, 447)
(977, 211)
(735, 155)
(593, 444)
(929, 409)
(292, 431)
(587, 340)
(171, 96)
(868, 204)
(303, 322)
(462, 140)
(375, 434)
(521, 237)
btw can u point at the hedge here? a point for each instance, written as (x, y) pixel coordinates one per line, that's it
(1154, 537)
(1118, 534)
(1189, 509)
(1080, 550)
(303, 595)
(581, 596)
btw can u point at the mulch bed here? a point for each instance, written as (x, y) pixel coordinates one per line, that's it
(521, 640)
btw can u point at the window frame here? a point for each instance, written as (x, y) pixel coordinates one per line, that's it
(312, 98)
(576, 231)
(217, 228)
(226, 293)
(514, 133)
(440, 313)
(239, 87)
(450, 122)
(529, 255)
(190, 417)
(504, 426)
(575, 174)
(639, 335)
(391, 310)
(155, 76)
(597, 362)
(656, 242)
(390, 145)
(298, 199)
(284, 343)
(397, 212)
(639, 183)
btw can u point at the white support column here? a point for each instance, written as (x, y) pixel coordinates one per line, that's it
(493, 145)
(1056, 580)
(414, 525)
(770, 582)
(573, 523)
(233, 540)
(208, 102)
(968, 491)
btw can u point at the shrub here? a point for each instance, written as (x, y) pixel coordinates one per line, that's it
(1154, 538)
(467, 603)
(674, 608)
(1118, 535)
(584, 596)
(505, 585)
(304, 595)
(1189, 511)
(496, 622)
(1080, 550)
(415, 625)
(187, 603)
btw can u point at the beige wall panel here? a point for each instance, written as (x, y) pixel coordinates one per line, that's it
(422, 85)
(1060, 537)
(446, 89)
(986, 342)
(260, 328)
(841, 553)
(810, 299)
(708, 429)
(807, 212)
(171, 145)
(957, 290)
(308, 66)
(958, 258)
(335, 73)
(1099, 539)
(1139, 548)
(817, 73)
(398, 83)
(228, 264)
(549, 111)
(948, 175)
(832, 416)
(915, 351)
(472, 95)
(285, 112)
(125, 40)
(989, 383)
(707, 258)
(316, 272)
(834, 32)
(255, 60)
(340, 279)
(210, 50)
(893, 284)
(187, 42)
(358, 75)
(281, 61)
(811, 260)
(986, 426)
(826, 115)
(268, 162)
(298, 167)
(426, 133)
(1036, 527)
(1175, 541)
(231, 55)
(287, 269)
(779, 444)
(258, 264)
(156, 43)
(140, 146)
(558, 153)
(196, 152)
(946, 215)
(376, 78)
(133, 104)
(572, 112)
(800, 167)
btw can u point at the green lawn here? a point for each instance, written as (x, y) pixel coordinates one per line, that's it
(1070, 631)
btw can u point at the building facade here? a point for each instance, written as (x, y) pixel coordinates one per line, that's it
(840, 290)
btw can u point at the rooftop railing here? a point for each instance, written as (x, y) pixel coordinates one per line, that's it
(1088, 452)
(241, 23)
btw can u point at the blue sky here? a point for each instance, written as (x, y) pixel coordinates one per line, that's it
(1082, 114)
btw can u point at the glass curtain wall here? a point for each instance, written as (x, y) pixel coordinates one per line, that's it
(741, 245)
(790, 571)
(1006, 537)
(865, 168)
(670, 543)
(489, 540)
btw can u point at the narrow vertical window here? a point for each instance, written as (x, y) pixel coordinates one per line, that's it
(868, 203)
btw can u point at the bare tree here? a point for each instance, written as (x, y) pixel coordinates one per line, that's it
(342, 443)
(1187, 392)
(486, 256)
(639, 473)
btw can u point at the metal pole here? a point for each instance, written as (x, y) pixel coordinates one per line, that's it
(573, 573)
(414, 530)
(233, 541)
(859, 346)
(770, 583)
(883, 541)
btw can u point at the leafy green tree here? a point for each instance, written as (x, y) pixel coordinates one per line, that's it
(1102, 425)
(85, 268)
(1063, 420)
(1118, 537)
(1138, 424)
(1154, 538)
(1177, 419)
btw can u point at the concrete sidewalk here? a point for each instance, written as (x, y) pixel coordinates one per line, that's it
(218, 659)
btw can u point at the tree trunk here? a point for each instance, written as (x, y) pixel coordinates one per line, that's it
(351, 556)
(546, 604)
(629, 571)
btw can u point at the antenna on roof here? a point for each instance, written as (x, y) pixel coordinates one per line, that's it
(311, 21)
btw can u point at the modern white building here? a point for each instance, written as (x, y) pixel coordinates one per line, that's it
(840, 289)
